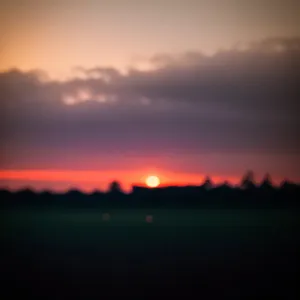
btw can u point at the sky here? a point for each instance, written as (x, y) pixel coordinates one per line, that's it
(92, 91)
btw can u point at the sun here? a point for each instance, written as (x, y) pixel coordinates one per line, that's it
(152, 181)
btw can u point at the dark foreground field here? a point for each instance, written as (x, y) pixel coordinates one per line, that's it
(189, 254)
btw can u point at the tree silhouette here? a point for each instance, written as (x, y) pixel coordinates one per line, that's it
(207, 184)
(248, 181)
(115, 187)
(286, 184)
(266, 182)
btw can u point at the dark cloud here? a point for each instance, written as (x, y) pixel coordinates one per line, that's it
(238, 100)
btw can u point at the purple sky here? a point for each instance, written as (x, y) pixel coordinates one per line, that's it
(202, 103)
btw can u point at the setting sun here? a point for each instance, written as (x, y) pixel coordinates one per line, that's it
(152, 181)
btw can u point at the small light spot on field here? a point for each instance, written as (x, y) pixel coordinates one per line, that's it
(149, 218)
(106, 217)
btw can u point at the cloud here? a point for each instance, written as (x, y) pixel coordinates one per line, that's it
(244, 99)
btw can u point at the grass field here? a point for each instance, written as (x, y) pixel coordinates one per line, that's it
(77, 254)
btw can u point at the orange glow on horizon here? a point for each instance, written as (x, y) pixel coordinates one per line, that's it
(87, 180)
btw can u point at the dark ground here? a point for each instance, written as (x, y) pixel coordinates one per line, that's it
(184, 254)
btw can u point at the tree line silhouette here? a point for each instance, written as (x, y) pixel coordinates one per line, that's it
(247, 194)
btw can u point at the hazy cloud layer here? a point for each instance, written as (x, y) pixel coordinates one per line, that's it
(239, 100)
